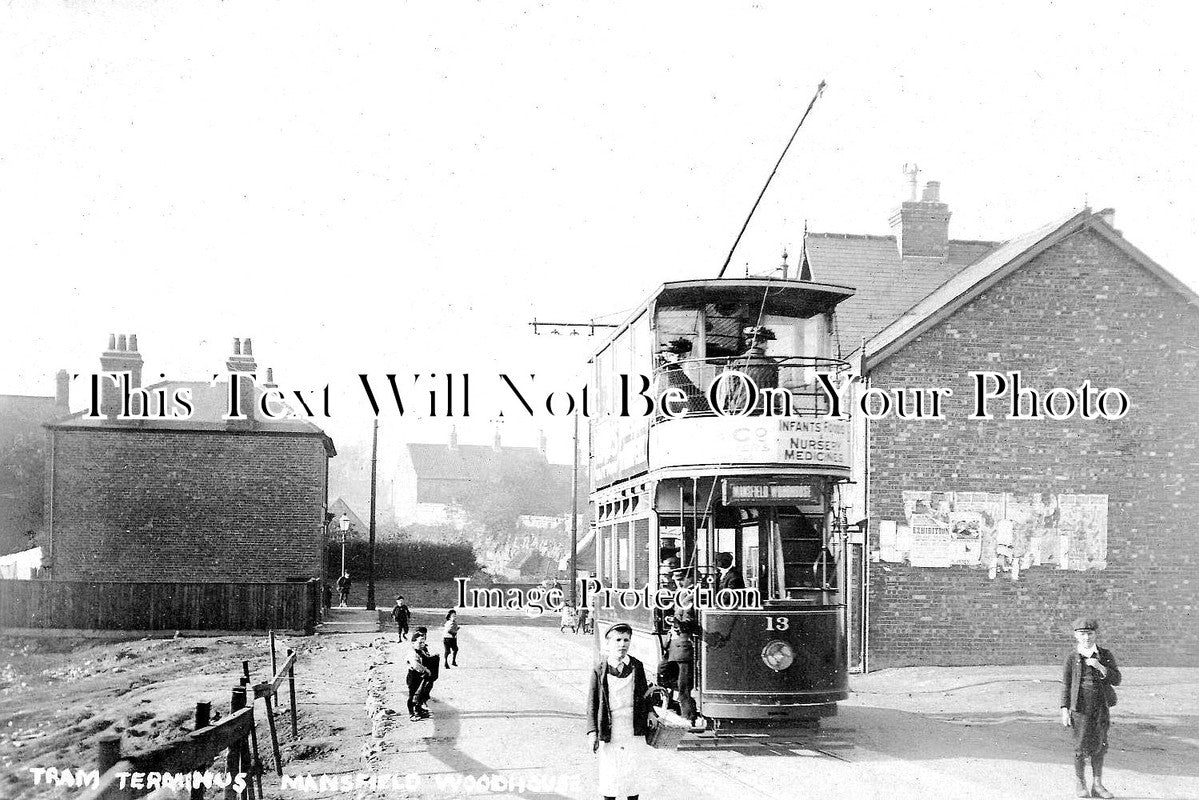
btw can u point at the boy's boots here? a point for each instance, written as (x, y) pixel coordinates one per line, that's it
(1080, 774)
(1097, 787)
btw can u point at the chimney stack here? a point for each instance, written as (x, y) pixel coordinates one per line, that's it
(62, 393)
(121, 356)
(241, 362)
(922, 226)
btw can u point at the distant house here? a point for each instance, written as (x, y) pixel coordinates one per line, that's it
(440, 484)
(358, 528)
(22, 464)
(195, 499)
(529, 564)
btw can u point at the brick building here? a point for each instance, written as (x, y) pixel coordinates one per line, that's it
(195, 499)
(22, 456)
(987, 536)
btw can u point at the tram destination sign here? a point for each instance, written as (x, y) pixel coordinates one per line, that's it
(749, 492)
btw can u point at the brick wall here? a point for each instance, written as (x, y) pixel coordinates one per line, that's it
(168, 506)
(1081, 310)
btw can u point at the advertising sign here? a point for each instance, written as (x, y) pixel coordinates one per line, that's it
(750, 440)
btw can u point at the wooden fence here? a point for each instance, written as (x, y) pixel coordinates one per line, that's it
(236, 735)
(91, 605)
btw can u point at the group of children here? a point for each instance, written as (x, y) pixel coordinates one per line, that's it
(577, 619)
(423, 666)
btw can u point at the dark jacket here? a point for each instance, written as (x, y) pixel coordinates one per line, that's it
(400, 614)
(731, 580)
(1072, 677)
(599, 711)
(679, 647)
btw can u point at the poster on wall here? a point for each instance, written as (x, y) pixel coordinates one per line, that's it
(1003, 532)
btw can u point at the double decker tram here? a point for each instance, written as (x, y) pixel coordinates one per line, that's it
(748, 468)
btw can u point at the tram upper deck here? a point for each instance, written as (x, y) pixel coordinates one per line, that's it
(734, 369)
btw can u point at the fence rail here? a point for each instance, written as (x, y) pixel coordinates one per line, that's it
(236, 735)
(152, 606)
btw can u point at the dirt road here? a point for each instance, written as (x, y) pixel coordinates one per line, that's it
(513, 710)
(511, 715)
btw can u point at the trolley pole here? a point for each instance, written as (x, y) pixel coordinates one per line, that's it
(574, 517)
(370, 550)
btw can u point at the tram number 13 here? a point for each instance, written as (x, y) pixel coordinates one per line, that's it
(777, 623)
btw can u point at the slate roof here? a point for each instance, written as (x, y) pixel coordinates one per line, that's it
(447, 474)
(339, 507)
(968, 283)
(886, 284)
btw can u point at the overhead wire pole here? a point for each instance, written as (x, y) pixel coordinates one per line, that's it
(815, 97)
(370, 558)
(574, 518)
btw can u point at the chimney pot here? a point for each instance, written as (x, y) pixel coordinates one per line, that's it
(922, 226)
(270, 375)
(246, 348)
(236, 346)
(112, 342)
(121, 344)
(133, 342)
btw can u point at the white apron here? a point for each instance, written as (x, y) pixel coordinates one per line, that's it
(620, 759)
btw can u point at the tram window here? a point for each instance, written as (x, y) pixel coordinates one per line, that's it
(623, 555)
(799, 559)
(641, 553)
(678, 323)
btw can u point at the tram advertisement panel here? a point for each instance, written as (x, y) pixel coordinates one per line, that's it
(773, 656)
(820, 443)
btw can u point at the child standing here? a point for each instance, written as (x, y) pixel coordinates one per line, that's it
(449, 637)
(1089, 674)
(419, 676)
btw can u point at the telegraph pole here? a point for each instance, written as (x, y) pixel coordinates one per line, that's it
(574, 517)
(370, 562)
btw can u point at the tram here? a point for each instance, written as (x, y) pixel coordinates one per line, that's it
(724, 468)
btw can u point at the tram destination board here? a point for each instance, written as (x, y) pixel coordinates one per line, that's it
(750, 492)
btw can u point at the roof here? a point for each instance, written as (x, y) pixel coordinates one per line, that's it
(969, 283)
(339, 507)
(887, 284)
(446, 474)
(802, 298)
(209, 406)
(530, 559)
(23, 415)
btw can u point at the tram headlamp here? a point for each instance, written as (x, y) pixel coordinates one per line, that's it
(778, 655)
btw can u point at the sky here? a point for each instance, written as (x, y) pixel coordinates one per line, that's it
(403, 187)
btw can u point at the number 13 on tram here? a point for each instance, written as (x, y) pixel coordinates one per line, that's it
(740, 464)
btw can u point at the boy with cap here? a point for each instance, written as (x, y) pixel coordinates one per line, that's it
(1089, 674)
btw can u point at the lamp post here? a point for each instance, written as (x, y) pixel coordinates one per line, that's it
(344, 524)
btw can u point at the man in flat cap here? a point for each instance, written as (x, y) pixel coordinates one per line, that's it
(1089, 674)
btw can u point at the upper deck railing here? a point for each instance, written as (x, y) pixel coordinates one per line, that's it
(750, 385)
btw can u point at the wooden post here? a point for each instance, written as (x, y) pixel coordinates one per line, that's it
(254, 768)
(108, 751)
(270, 721)
(255, 761)
(274, 658)
(203, 720)
(233, 756)
(291, 688)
